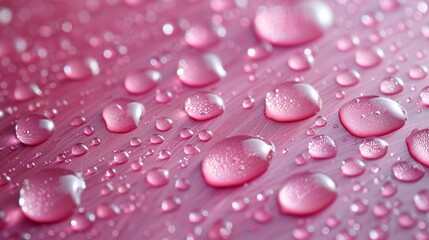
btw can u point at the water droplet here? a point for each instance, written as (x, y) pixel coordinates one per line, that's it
(348, 78)
(249, 102)
(156, 139)
(34, 129)
(418, 145)
(105, 211)
(406, 220)
(421, 200)
(306, 193)
(220, 230)
(79, 149)
(122, 115)
(263, 215)
(372, 116)
(205, 135)
(203, 35)
(26, 91)
(352, 167)
(381, 210)
(391, 85)
(292, 102)
(198, 216)
(388, 189)
(236, 160)
(369, 57)
(359, 206)
(407, 171)
(170, 204)
(418, 72)
(51, 195)
(157, 177)
(288, 23)
(424, 96)
(164, 124)
(259, 51)
(347, 42)
(200, 70)
(82, 221)
(186, 133)
(204, 106)
(322, 147)
(300, 61)
(121, 157)
(79, 69)
(141, 81)
(373, 148)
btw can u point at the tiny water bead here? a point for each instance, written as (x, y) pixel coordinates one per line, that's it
(34, 129)
(421, 200)
(407, 171)
(391, 85)
(352, 167)
(371, 116)
(306, 193)
(418, 145)
(322, 147)
(51, 195)
(347, 78)
(288, 23)
(418, 72)
(368, 57)
(198, 70)
(204, 106)
(122, 115)
(292, 102)
(424, 96)
(80, 69)
(141, 81)
(373, 148)
(157, 177)
(236, 160)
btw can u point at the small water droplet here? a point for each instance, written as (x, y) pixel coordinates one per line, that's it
(369, 57)
(157, 177)
(373, 148)
(407, 171)
(34, 129)
(391, 85)
(141, 81)
(418, 72)
(122, 115)
(347, 78)
(204, 106)
(352, 167)
(322, 147)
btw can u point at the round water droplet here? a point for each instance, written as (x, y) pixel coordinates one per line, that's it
(406, 220)
(359, 206)
(288, 23)
(348, 78)
(263, 215)
(34, 129)
(352, 167)
(236, 160)
(121, 157)
(299, 61)
(421, 200)
(292, 102)
(388, 189)
(105, 211)
(157, 177)
(322, 147)
(202, 35)
(391, 85)
(122, 115)
(418, 72)
(371, 116)
(369, 57)
(141, 81)
(204, 106)
(347, 42)
(170, 204)
(418, 145)
(26, 91)
(407, 171)
(373, 148)
(164, 124)
(424, 96)
(79, 69)
(200, 70)
(79, 149)
(51, 195)
(82, 221)
(259, 51)
(306, 193)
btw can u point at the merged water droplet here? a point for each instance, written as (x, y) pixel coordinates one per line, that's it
(141, 81)
(34, 129)
(306, 193)
(51, 195)
(79, 69)
(391, 85)
(347, 78)
(407, 171)
(198, 70)
(372, 116)
(292, 102)
(373, 148)
(418, 145)
(204, 106)
(236, 160)
(122, 115)
(288, 23)
(369, 57)
(322, 147)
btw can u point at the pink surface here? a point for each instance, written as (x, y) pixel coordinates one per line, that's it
(67, 60)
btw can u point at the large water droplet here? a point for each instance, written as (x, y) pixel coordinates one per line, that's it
(371, 116)
(51, 195)
(236, 160)
(369, 57)
(122, 115)
(289, 23)
(322, 147)
(292, 102)
(373, 148)
(199, 70)
(418, 145)
(407, 171)
(79, 69)
(141, 81)
(204, 106)
(306, 193)
(34, 129)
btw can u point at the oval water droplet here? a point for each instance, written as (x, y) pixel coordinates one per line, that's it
(372, 116)
(292, 102)
(347, 78)
(203, 35)
(322, 147)
(157, 177)
(26, 91)
(369, 57)
(391, 85)
(306, 193)
(300, 61)
(421, 200)
(79, 69)
(51, 195)
(288, 23)
(236, 160)
(122, 115)
(407, 171)
(424, 96)
(34, 129)
(204, 106)
(373, 148)
(418, 72)
(418, 145)
(82, 221)
(141, 81)
(199, 70)
(352, 167)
